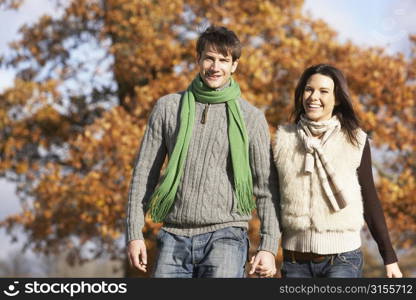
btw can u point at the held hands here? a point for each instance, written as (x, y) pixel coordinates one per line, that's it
(136, 251)
(263, 264)
(393, 271)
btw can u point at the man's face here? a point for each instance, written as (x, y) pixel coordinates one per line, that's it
(215, 69)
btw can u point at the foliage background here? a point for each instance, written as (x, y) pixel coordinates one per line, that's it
(86, 81)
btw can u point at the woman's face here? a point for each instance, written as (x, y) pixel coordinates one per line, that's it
(319, 98)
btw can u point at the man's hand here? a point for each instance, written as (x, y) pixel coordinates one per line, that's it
(136, 251)
(263, 264)
(393, 271)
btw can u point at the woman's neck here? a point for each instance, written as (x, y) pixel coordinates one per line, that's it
(317, 135)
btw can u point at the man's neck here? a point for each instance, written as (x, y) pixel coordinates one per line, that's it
(227, 84)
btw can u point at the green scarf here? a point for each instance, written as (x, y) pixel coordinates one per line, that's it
(164, 195)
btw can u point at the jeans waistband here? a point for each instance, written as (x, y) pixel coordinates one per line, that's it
(295, 256)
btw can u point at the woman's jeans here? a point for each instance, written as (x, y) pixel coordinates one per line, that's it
(345, 265)
(219, 254)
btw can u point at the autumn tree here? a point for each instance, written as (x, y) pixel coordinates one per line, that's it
(87, 79)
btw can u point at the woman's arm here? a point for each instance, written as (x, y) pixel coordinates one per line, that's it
(374, 216)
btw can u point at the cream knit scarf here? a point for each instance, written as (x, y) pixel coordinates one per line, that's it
(315, 155)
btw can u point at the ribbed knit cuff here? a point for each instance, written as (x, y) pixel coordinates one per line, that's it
(134, 234)
(269, 243)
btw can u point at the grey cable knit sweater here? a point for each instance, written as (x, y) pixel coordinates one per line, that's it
(205, 200)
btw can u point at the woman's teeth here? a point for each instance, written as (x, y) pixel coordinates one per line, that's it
(314, 106)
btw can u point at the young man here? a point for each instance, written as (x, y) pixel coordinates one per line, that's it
(219, 157)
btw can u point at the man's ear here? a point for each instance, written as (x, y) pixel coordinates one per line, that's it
(234, 66)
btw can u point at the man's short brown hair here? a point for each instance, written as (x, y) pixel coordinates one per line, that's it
(220, 38)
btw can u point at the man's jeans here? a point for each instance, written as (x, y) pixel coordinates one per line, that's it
(219, 254)
(344, 265)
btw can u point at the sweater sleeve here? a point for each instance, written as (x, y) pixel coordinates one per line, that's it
(146, 172)
(373, 212)
(265, 186)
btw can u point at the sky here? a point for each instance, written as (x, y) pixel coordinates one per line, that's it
(11, 21)
(384, 23)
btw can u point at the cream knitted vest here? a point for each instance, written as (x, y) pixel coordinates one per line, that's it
(307, 220)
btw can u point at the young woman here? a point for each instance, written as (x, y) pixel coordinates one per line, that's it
(326, 184)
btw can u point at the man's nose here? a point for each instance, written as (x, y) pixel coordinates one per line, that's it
(214, 65)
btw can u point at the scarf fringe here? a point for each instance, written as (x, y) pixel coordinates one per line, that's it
(160, 205)
(245, 201)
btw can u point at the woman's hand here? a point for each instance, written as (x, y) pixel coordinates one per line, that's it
(393, 271)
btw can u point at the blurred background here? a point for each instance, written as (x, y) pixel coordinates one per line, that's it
(78, 80)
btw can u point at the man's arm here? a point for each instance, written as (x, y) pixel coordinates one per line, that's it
(144, 180)
(266, 191)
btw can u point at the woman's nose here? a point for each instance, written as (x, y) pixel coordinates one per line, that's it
(315, 95)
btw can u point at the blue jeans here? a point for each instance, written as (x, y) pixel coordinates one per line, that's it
(343, 265)
(219, 254)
